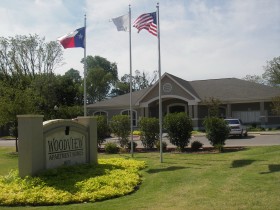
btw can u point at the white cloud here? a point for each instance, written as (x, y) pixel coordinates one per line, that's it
(200, 39)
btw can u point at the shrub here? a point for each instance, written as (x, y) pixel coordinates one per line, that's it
(103, 129)
(111, 148)
(110, 178)
(217, 131)
(149, 128)
(120, 126)
(179, 129)
(196, 145)
(164, 146)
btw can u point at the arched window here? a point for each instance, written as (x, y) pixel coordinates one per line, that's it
(134, 116)
(177, 107)
(100, 113)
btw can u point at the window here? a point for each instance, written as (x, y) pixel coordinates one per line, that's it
(134, 116)
(177, 107)
(100, 113)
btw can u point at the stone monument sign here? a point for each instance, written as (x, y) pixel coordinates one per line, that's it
(54, 143)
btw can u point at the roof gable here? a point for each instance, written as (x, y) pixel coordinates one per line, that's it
(177, 88)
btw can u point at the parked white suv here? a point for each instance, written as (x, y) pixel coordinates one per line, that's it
(237, 127)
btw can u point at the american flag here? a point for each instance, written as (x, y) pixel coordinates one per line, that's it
(147, 21)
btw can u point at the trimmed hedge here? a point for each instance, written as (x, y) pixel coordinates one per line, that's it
(179, 129)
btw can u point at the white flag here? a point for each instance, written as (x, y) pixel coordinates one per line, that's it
(122, 22)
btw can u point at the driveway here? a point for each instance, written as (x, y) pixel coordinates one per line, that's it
(250, 140)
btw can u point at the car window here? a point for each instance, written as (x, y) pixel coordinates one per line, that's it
(233, 121)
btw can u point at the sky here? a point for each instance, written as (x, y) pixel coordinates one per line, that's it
(200, 39)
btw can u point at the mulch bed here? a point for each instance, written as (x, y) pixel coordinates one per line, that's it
(205, 150)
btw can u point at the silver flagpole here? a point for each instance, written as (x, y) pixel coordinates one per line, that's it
(130, 81)
(159, 85)
(85, 71)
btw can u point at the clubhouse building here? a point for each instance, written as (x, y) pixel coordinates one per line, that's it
(248, 101)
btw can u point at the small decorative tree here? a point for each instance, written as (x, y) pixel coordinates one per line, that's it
(102, 129)
(217, 131)
(213, 105)
(149, 128)
(120, 126)
(179, 129)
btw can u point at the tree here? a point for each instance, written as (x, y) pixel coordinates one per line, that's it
(98, 84)
(213, 105)
(74, 75)
(101, 77)
(28, 56)
(255, 79)
(98, 61)
(272, 71)
(15, 101)
(26, 64)
(139, 81)
(179, 129)
(276, 105)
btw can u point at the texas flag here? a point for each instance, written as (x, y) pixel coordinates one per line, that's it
(73, 39)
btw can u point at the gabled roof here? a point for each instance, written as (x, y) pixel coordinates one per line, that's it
(234, 90)
(226, 90)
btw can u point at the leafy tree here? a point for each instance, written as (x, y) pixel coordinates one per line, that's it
(272, 71)
(149, 128)
(101, 76)
(98, 84)
(276, 105)
(26, 64)
(74, 75)
(139, 81)
(15, 101)
(107, 66)
(27, 56)
(217, 131)
(255, 79)
(68, 92)
(179, 129)
(213, 105)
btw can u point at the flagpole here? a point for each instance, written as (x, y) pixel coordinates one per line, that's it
(85, 71)
(159, 85)
(130, 81)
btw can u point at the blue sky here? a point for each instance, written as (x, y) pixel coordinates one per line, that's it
(200, 39)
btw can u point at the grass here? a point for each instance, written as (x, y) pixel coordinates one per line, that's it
(246, 179)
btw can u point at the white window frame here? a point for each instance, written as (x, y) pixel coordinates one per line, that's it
(106, 114)
(134, 120)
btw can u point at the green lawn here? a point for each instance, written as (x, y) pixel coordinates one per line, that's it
(247, 179)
